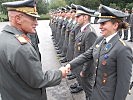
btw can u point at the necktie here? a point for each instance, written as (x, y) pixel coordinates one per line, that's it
(102, 44)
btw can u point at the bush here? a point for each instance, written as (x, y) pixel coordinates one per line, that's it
(3, 18)
(44, 17)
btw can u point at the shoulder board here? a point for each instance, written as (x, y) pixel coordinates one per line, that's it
(122, 42)
(21, 39)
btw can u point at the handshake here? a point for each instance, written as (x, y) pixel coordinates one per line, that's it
(65, 70)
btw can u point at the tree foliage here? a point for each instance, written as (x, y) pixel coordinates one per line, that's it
(57, 3)
(93, 4)
(41, 6)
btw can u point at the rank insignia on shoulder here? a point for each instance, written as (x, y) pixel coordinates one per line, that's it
(21, 39)
(122, 42)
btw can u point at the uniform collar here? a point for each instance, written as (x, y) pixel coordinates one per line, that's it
(83, 27)
(12, 30)
(110, 37)
(70, 20)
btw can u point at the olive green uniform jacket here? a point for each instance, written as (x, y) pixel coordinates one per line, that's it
(113, 68)
(21, 75)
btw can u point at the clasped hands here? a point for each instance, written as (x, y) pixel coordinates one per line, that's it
(65, 70)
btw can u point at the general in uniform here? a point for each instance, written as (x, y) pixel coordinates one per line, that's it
(21, 75)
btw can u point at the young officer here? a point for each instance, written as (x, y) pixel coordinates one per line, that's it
(112, 58)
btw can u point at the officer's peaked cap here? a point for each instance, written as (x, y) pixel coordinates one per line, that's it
(63, 9)
(68, 8)
(107, 13)
(73, 6)
(84, 11)
(27, 6)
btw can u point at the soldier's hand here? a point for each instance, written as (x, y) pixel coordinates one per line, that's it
(81, 74)
(68, 67)
(64, 71)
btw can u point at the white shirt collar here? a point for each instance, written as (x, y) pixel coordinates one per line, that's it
(74, 22)
(60, 17)
(69, 20)
(83, 27)
(110, 37)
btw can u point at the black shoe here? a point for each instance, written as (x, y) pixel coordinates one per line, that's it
(70, 74)
(53, 38)
(76, 90)
(57, 48)
(74, 85)
(61, 55)
(130, 41)
(87, 98)
(63, 60)
(124, 38)
(58, 51)
(71, 77)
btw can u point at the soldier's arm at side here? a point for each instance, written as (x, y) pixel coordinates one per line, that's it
(124, 71)
(89, 41)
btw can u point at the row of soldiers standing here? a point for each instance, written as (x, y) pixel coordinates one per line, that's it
(129, 20)
(73, 34)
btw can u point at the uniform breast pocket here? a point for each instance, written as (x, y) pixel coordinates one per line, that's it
(78, 43)
(79, 46)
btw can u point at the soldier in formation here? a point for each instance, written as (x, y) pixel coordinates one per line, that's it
(131, 25)
(78, 35)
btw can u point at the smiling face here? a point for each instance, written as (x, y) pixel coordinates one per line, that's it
(108, 28)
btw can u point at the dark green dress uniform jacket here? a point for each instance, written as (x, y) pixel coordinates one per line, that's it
(73, 33)
(83, 41)
(62, 37)
(35, 41)
(21, 72)
(58, 31)
(113, 68)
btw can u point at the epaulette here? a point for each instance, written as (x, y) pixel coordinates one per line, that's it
(122, 42)
(21, 39)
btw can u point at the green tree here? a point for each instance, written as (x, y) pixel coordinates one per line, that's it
(57, 3)
(92, 4)
(129, 6)
(69, 2)
(42, 7)
(2, 8)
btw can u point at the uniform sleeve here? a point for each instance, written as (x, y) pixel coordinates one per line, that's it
(29, 68)
(124, 71)
(81, 59)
